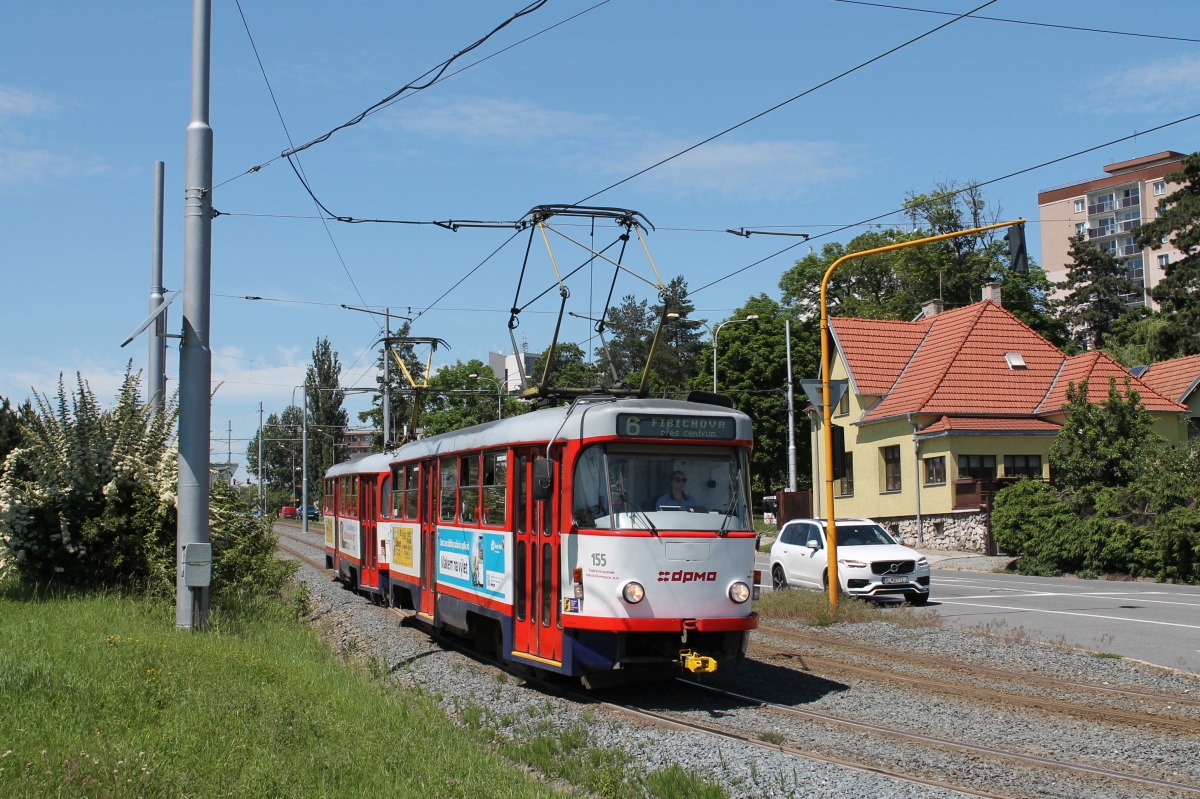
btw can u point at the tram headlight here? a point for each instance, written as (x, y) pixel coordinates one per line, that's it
(633, 592)
(739, 592)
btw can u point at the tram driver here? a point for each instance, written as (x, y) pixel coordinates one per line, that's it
(676, 497)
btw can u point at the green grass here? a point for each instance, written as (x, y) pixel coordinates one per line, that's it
(103, 697)
(812, 607)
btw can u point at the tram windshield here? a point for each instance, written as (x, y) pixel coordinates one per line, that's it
(662, 487)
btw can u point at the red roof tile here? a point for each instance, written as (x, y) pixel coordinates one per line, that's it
(948, 424)
(1098, 368)
(1175, 379)
(955, 364)
(876, 350)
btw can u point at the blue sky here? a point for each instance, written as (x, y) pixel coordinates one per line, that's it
(91, 94)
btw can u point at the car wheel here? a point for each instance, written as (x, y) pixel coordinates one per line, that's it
(918, 599)
(778, 579)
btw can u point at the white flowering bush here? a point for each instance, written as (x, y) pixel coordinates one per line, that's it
(88, 498)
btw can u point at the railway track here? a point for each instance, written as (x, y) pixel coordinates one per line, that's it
(985, 684)
(950, 761)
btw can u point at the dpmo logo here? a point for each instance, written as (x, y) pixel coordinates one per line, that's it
(687, 577)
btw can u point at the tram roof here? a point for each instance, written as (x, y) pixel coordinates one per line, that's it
(587, 420)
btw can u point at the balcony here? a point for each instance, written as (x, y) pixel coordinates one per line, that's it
(1128, 225)
(1129, 202)
(1130, 249)
(1098, 232)
(1102, 207)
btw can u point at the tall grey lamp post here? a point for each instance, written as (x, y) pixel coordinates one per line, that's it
(716, 330)
(499, 393)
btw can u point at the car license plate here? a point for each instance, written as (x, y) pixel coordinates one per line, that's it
(892, 579)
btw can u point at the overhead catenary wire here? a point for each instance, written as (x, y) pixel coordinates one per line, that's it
(295, 166)
(1027, 22)
(777, 106)
(949, 194)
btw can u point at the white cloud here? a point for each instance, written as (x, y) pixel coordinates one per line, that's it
(502, 123)
(24, 166)
(17, 103)
(763, 170)
(600, 145)
(1156, 86)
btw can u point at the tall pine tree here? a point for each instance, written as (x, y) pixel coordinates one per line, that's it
(1097, 288)
(1178, 294)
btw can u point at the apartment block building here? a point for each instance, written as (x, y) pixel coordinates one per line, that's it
(1106, 210)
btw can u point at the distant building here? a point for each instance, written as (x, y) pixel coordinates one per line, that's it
(1106, 210)
(359, 441)
(504, 367)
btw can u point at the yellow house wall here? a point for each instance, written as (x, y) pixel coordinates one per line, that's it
(865, 443)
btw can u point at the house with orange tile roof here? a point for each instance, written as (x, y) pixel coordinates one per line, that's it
(1178, 379)
(942, 410)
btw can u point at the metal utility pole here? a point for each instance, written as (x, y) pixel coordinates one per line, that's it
(787, 329)
(262, 508)
(304, 461)
(193, 550)
(387, 378)
(156, 365)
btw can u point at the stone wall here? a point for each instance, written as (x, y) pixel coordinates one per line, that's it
(954, 532)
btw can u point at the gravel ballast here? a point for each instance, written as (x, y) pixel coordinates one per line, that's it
(353, 623)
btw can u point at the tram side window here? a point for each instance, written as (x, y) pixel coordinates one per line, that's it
(327, 501)
(397, 498)
(385, 499)
(350, 496)
(412, 489)
(495, 488)
(449, 494)
(468, 487)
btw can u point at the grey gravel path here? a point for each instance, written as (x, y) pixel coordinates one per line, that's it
(457, 682)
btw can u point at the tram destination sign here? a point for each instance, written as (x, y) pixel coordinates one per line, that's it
(707, 428)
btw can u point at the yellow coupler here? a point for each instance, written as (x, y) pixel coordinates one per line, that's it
(697, 664)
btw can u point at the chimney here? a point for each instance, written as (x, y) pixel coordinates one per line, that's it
(932, 307)
(991, 291)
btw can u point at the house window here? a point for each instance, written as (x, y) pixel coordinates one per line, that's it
(891, 468)
(1080, 205)
(1022, 465)
(1160, 187)
(846, 484)
(1080, 228)
(977, 467)
(935, 470)
(843, 407)
(1164, 260)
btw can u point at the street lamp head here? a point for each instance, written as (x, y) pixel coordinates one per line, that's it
(751, 317)
(672, 315)
(472, 375)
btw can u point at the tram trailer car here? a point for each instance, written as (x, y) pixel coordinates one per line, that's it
(551, 539)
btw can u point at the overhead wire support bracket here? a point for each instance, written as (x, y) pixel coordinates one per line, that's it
(747, 233)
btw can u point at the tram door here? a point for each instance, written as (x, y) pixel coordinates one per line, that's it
(368, 508)
(428, 513)
(536, 591)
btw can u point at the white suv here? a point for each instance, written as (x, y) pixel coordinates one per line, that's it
(870, 562)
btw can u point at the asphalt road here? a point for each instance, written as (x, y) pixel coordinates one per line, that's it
(1152, 622)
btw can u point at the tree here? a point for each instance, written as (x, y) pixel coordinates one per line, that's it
(282, 453)
(752, 369)
(327, 419)
(1100, 444)
(89, 499)
(10, 430)
(456, 400)
(678, 359)
(1178, 294)
(893, 285)
(569, 369)
(630, 326)
(400, 391)
(1096, 287)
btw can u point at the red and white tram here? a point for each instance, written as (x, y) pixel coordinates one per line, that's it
(551, 538)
